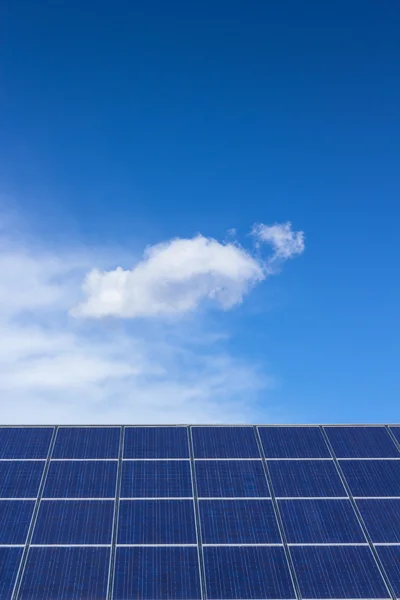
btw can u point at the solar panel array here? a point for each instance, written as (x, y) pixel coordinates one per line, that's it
(200, 513)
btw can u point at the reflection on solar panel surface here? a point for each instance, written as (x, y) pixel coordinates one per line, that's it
(200, 513)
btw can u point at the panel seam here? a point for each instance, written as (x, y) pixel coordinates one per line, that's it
(113, 551)
(200, 552)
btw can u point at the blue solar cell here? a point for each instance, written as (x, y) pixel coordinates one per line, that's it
(156, 522)
(81, 479)
(246, 572)
(361, 442)
(65, 574)
(382, 518)
(156, 442)
(337, 572)
(74, 522)
(87, 442)
(320, 522)
(238, 522)
(25, 442)
(225, 442)
(305, 478)
(9, 565)
(156, 479)
(372, 477)
(293, 442)
(19, 479)
(396, 433)
(157, 573)
(390, 557)
(15, 518)
(231, 478)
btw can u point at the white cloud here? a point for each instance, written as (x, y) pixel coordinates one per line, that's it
(285, 242)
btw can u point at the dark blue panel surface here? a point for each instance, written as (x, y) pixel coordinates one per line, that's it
(390, 557)
(74, 522)
(231, 478)
(293, 442)
(156, 479)
(320, 522)
(156, 522)
(224, 442)
(15, 518)
(307, 478)
(337, 572)
(246, 572)
(25, 442)
(65, 574)
(361, 442)
(20, 479)
(9, 564)
(157, 574)
(238, 522)
(156, 442)
(81, 479)
(396, 433)
(372, 477)
(87, 442)
(382, 518)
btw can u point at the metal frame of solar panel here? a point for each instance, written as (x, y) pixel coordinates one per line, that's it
(224, 512)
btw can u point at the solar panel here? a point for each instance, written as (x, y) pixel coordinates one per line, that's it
(15, 518)
(320, 522)
(156, 442)
(20, 479)
(156, 522)
(65, 574)
(361, 442)
(305, 478)
(382, 518)
(81, 479)
(10, 559)
(87, 442)
(225, 442)
(235, 572)
(25, 442)
(372, 477)
(390, 557)
(337, 572)
(293, 442)
(156, 479)
(238, 522)
(157, 573)
(396, 432)
(74, 522)
(231, 478)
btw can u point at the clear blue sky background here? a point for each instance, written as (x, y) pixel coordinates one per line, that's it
(123, 121)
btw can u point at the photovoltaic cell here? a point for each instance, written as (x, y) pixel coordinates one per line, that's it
(87, 442)
(293, 442)
(15, 518)
(320, 522)
(337, 572)
(156, 479)
(382, 518)
(305, 478)
(156, 442)
(19, 479)
(25, 442)
(396, 433)
(238, 522)
(238, 572)
(157, 573)
(10, 559)
(81, 479)
(372, 477)
(390, 557)
(65, 574)
(156, 522)
(74, 522)
(231, 478)
(224, 442)
(361, 442)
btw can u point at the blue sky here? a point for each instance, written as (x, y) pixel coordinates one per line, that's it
(140, 124)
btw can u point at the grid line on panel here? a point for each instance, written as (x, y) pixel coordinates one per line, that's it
(393, 437)
(34, 517)
(197, 516)
(110, 583)
(359, 517)
(278, 516)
